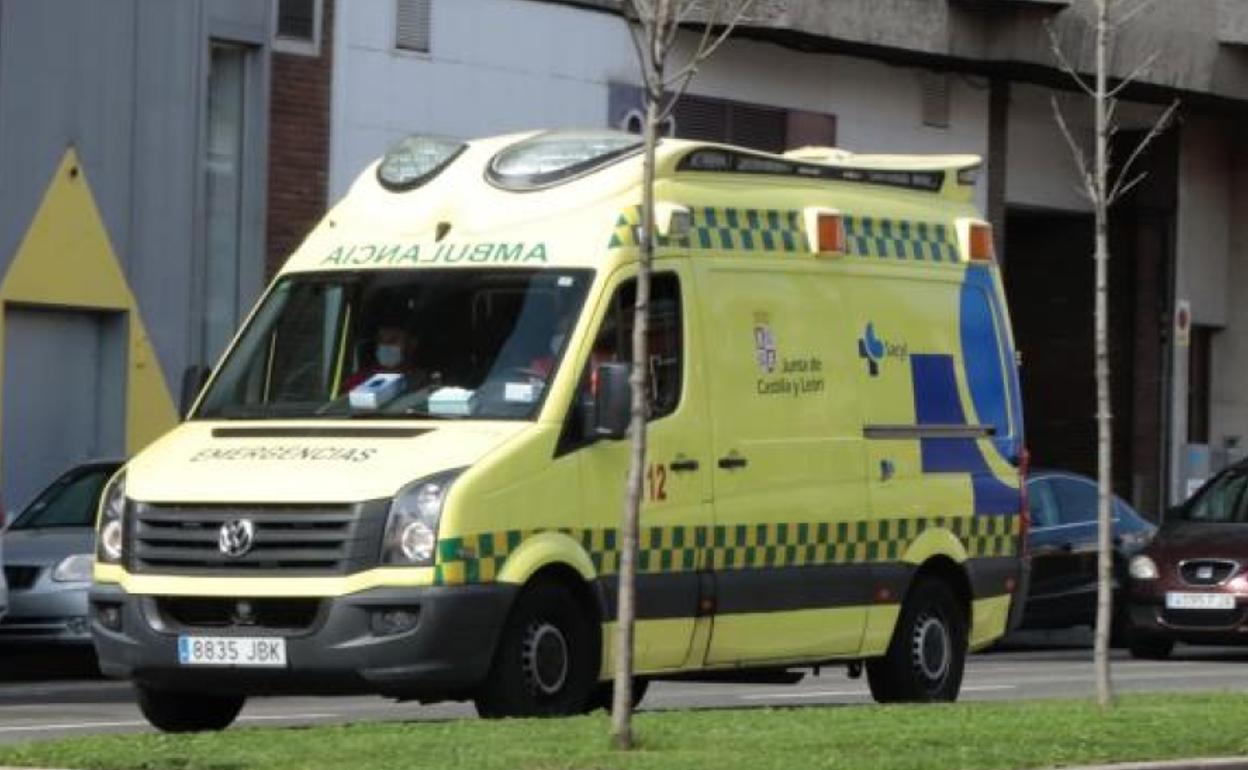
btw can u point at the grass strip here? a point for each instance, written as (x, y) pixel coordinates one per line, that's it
(1035, 734)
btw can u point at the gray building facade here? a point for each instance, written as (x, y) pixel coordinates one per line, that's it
(133, 164)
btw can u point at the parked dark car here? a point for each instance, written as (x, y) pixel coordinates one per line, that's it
(49, 550)
(1191, 583)
(1063, 544)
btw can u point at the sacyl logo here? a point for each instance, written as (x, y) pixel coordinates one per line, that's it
(236, 537)
(875, 349)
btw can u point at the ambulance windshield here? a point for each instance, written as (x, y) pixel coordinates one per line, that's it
(476, 344)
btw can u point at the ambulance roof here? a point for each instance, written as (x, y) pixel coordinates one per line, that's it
(548, 199)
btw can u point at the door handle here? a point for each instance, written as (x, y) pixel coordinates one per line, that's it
(1067, 547)
(682, 465)
(732, 461)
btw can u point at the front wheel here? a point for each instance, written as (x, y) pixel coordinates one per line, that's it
(927, 654)
(546, 663)
(182, 712)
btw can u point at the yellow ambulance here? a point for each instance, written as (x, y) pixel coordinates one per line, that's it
(406, 474)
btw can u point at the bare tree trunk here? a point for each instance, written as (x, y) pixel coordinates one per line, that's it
(1104, 596)
(622, 702)
(658, 23)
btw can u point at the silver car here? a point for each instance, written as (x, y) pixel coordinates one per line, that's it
(48, 551)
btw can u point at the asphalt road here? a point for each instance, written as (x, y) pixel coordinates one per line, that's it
(42, 698)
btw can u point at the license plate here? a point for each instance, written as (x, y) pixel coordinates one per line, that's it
(231, 651)
(1180, 601)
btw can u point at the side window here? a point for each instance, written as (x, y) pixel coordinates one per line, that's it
(1042, 506)
(1076, 501)
(665, 339)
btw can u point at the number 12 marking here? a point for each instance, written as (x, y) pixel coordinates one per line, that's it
(657, 476)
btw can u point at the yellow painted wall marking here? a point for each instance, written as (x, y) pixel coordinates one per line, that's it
(66, 260)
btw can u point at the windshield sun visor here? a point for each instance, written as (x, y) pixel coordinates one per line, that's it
(416, 160)
(558, 156)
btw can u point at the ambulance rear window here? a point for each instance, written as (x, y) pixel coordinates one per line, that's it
(555, 157)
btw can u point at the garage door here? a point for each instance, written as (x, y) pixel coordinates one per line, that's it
(64, 394)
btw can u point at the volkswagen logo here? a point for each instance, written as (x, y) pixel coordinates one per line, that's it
(236, 537)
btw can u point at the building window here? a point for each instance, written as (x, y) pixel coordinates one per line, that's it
(1199, 375)
(705, 118)
(413, 25)
(227, 78)
(934, 99)
(298, 27)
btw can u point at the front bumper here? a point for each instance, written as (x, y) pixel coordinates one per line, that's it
(1149, 617)
(47, 613)
(444, 656)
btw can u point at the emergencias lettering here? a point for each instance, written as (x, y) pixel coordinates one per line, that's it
(311, 454)
(492, 252)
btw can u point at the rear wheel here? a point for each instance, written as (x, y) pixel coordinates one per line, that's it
(546, 663)
(1150, 647)
(182, 712)
(927, 654)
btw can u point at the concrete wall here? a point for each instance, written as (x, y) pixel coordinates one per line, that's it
(1229, 398)
(1210, 265)
(103, 104)
(532, 65)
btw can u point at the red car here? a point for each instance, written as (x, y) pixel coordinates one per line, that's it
(1190, 584)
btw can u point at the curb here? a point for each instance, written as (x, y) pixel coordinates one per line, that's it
(1195, 763)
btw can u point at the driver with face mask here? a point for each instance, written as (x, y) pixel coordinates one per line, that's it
(394, 352)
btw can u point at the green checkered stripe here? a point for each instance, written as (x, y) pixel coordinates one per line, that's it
(900, 239)
(724, 229)
(479, 558)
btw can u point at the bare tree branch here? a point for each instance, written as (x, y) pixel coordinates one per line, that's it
(1120, 187)
(1144, 67)
(707, 47)
(1126, 18)
(1065, 63)
(1081, 160)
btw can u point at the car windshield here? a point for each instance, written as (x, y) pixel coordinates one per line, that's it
(1222, 501)
(475, 344)
(70, 501)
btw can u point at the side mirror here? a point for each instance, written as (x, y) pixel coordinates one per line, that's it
(193, 380)
(612, 398)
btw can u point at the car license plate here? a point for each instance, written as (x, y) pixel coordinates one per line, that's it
(231, 651)
(1181, 601)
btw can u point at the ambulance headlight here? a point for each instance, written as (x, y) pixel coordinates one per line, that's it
(412, 528)
(113, 503)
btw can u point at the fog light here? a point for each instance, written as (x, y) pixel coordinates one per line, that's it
(394, 621)
(109, 616)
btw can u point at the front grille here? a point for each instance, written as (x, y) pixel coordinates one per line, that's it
(288, 540)
(20, 578)
(1206, 572)
(272, 614)
(1203, 618)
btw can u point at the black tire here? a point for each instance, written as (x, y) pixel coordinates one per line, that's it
(927, 654)
(547, 660)
(1150, 647)
(604, 694)
(183, 712)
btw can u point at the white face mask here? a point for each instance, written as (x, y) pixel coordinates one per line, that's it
(556, 342)
(389, 355)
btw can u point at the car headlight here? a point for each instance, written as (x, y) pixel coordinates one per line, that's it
(412, 527)
(109, 546)
(74, 569)
(1142, 568)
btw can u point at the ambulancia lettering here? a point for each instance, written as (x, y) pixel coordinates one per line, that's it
(397, 254)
